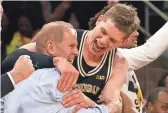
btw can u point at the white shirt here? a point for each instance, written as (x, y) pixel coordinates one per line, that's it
(142, 55)
(38, 94)
(11, 78)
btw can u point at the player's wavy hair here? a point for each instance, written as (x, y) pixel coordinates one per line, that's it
(124, 16)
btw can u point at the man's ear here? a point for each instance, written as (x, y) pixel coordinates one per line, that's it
(123, 42)
(50, 47)
(126, 40)
(99, 19)
(150, 106)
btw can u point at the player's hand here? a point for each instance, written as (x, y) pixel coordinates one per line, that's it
(132, 40)
(128, 105)
(23, 68)
(76, 97)
(69, 75)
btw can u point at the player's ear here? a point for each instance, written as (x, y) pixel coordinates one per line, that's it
(150, 106)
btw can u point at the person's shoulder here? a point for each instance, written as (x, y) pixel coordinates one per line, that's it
(20, 50)
(80, 31)
(119, 57)
(47, 73)
(47, 70)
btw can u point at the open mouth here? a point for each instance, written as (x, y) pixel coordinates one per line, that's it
(98, 47)
(70, 60)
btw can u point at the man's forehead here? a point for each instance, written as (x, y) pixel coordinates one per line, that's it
(112, 30)
(73, 31)
(163, 97)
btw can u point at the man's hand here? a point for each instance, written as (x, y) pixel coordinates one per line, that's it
(128, 106)
(76, 97)
(69, 75)
(23, 68)
(132, 41)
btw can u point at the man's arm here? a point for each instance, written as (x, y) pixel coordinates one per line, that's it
(22, 70)
(39, 60)
(140, 56)
(111, 91)
(69, 74)
(6, 84)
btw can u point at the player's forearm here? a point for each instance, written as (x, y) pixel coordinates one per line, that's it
(111, 91)
(118, 78)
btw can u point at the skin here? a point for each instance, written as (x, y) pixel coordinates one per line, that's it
(160, 105)
(104, 37)
(68, 47)
(23, 63)
(65, 47)
(66, 50)
(132, 40)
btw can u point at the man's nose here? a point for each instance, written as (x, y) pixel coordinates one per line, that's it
(76, 52)
(103, 41)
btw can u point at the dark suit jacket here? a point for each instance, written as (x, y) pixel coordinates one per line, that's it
(6, 84)
(39, 61)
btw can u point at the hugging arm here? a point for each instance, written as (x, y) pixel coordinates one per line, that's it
(39, 60)
(142, 55)
(112, 89)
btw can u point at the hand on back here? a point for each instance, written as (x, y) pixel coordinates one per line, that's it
(69, 75)
(22, 69)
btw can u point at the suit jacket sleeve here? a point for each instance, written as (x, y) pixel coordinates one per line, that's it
(6, 84)
(39, 60)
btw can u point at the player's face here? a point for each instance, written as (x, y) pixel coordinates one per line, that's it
(67, 48)
(161, 105)
(105, 37)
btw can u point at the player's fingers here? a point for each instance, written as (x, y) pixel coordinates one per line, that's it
(61, 81)
(69, 83)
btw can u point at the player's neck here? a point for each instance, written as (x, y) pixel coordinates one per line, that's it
(90, 58)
